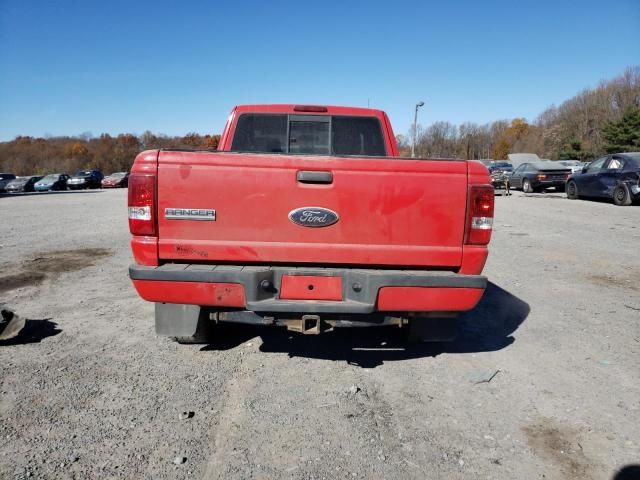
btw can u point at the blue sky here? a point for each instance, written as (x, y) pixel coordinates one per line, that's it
(68, 67)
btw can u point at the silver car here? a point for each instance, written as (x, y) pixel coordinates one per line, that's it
(575, 165)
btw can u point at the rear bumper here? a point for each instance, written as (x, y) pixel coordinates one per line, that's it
(548, 183)
(308, 290)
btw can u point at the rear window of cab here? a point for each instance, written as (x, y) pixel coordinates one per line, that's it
(309, 135)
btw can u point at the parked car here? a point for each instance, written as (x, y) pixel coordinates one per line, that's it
(535, 177)
(500, 173)
(22, 184)
(85, 179)
(116, 180)
(615, 176)
(5, 178)
(500, 167)
(53, 181)
(575, 165)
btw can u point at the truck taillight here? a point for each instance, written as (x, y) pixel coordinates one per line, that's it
(479, 214)
(310, 108)
(142, 204)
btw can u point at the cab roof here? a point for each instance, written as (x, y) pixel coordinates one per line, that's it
(307, 109)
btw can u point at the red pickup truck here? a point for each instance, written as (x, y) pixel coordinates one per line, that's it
(306, 217)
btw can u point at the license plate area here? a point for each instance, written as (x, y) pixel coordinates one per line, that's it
(310, 287)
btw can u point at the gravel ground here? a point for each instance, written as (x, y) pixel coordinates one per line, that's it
(89, 391)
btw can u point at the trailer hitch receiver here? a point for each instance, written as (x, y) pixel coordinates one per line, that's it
(308, 324)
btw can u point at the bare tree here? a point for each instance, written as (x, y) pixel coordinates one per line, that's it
(571, 130)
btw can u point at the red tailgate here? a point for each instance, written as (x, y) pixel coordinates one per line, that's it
(389, 211)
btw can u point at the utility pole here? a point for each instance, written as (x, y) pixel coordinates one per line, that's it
(415, 129)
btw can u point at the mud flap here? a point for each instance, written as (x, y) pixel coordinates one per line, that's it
(176, 320)
(427, 329)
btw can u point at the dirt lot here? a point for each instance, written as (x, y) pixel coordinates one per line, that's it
(89, 391)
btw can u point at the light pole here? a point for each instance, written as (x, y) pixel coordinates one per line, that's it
(415, 129)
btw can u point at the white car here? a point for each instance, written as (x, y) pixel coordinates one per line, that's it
(575, 165)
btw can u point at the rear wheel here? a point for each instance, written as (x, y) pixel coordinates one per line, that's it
(622, 196)
(572, 190)
(526, 186)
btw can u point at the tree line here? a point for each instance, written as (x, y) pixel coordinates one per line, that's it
(28, 155)
(593, 122)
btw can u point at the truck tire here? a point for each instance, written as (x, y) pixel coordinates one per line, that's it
(428, 329)
(621, 196)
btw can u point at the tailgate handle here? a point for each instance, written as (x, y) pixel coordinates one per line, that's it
(308, 176)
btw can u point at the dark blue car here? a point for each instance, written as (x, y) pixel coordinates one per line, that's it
(506, 167)
(615, 176)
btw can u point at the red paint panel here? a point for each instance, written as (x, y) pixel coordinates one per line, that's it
(473, 259)
(192, 293)
(428, 299)
(478, 173)
(307, 287)
(392, 212)
(145, 250)
(325, 253)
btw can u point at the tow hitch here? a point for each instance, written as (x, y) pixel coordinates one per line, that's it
(311, 324)
(308, 324)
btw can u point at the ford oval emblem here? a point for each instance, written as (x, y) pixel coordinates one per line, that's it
(313, 217)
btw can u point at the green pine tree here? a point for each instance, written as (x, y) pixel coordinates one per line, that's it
(573, 151)
(623, 135)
